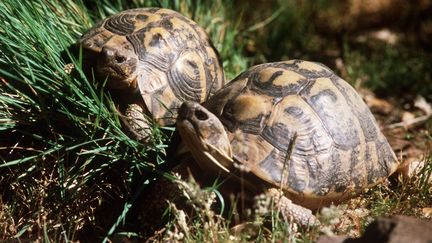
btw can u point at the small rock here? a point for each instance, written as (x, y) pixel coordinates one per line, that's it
(395, 229)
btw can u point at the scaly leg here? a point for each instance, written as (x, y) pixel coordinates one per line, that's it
(292, 211)
(136, 122)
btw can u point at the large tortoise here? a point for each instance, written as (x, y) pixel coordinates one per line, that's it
(294, 126)
(156, 58)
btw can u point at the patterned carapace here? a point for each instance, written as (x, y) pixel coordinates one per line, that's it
(338, 148)
(163, 55)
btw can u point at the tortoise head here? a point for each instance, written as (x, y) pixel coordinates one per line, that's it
(118, 63)
(205, 136)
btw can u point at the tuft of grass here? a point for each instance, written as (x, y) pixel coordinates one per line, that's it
(408, 196)
(61, 138)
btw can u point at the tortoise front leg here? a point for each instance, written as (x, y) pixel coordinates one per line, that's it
(136, 122)
(292, 211)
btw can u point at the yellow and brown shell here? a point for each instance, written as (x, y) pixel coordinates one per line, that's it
(338, 148)
(165, 56)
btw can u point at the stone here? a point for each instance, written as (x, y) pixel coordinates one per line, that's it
(394, 229)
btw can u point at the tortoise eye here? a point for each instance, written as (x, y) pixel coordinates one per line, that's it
(200, 115)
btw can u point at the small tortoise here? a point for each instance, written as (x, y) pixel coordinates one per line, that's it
(157, 58)
(294, 126)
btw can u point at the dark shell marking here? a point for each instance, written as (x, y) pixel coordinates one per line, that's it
(339, 147)
(123, 24)
(177, 60)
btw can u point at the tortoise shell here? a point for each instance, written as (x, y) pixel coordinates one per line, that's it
(298, 126)
(158, 53)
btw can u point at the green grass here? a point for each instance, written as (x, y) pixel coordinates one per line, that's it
(61, 140)
(406, 71)
(62, 136)
(69, 172)
(405, 197)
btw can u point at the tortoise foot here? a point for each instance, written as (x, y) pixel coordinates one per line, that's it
(291, 211)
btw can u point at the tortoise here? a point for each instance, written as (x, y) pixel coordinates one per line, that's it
(155, 59)
(292, 125)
